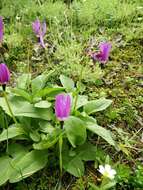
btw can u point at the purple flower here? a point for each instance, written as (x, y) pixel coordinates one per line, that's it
(40, 30)
(4, 74)
(62, 106)
(103, 55)
(1, 29)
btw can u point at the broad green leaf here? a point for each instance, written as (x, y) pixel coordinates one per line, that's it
(23, 93)
(28, 164)
(86, 152)
(75, 131)
(4, 169)
(81, 101)
(73, 159)
(46, 127)
(97, 105)
(73, 165)
(67, 83)
(17, 150)
(81, 87)
(49, 92)
(43, 104)
(102, 132)
(23, 81)
(38, 83)
(21, 107)
(49, 140)
(12, 132)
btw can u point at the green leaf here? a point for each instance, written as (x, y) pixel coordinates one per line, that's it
(35, 136)
(23, 81)
(46, 127)
(73, 159)
(23, 93)
(73, 165)
(67, 83)
(4, 169)
(49, 140)
(12, 132)
(86, 152)
(38, 83)
(81, 101)
(43, 104)
(27, 165)
(49, 92)
(21, 107)
(97, 105)
(102, 132)
(75, 130)
(17, 150)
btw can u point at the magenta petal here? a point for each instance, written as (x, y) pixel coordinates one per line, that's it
(97, 56)
(103, 55)
(58, 107)
(42, 41)
(43, 28)
(105, 48)
(62, 106)
(36, 27)
(40, 30)
(4, 74)
(1, 29)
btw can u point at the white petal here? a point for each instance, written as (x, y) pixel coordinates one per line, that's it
(113, 172)
(101, 169)
(108, 168)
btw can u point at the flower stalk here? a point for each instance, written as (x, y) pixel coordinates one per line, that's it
(78, 89)
(60, 155)
(9, 107)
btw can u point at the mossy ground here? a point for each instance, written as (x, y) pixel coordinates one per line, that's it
(72, 28)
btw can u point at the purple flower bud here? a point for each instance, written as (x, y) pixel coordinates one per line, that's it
(4, 74)
(1, 29)
(36, 25)
(103, 55)
(40, 31)
(62, 106)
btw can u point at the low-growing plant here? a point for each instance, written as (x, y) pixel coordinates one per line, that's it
(41, 128)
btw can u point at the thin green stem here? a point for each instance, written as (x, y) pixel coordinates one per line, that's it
(19, 171)
(39, 2)
(10, 110)
(60, 154)
(28, 59)
(78, 90)
(60, 149)
(6, 123)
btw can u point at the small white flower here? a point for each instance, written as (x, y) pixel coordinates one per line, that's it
(107, 171)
